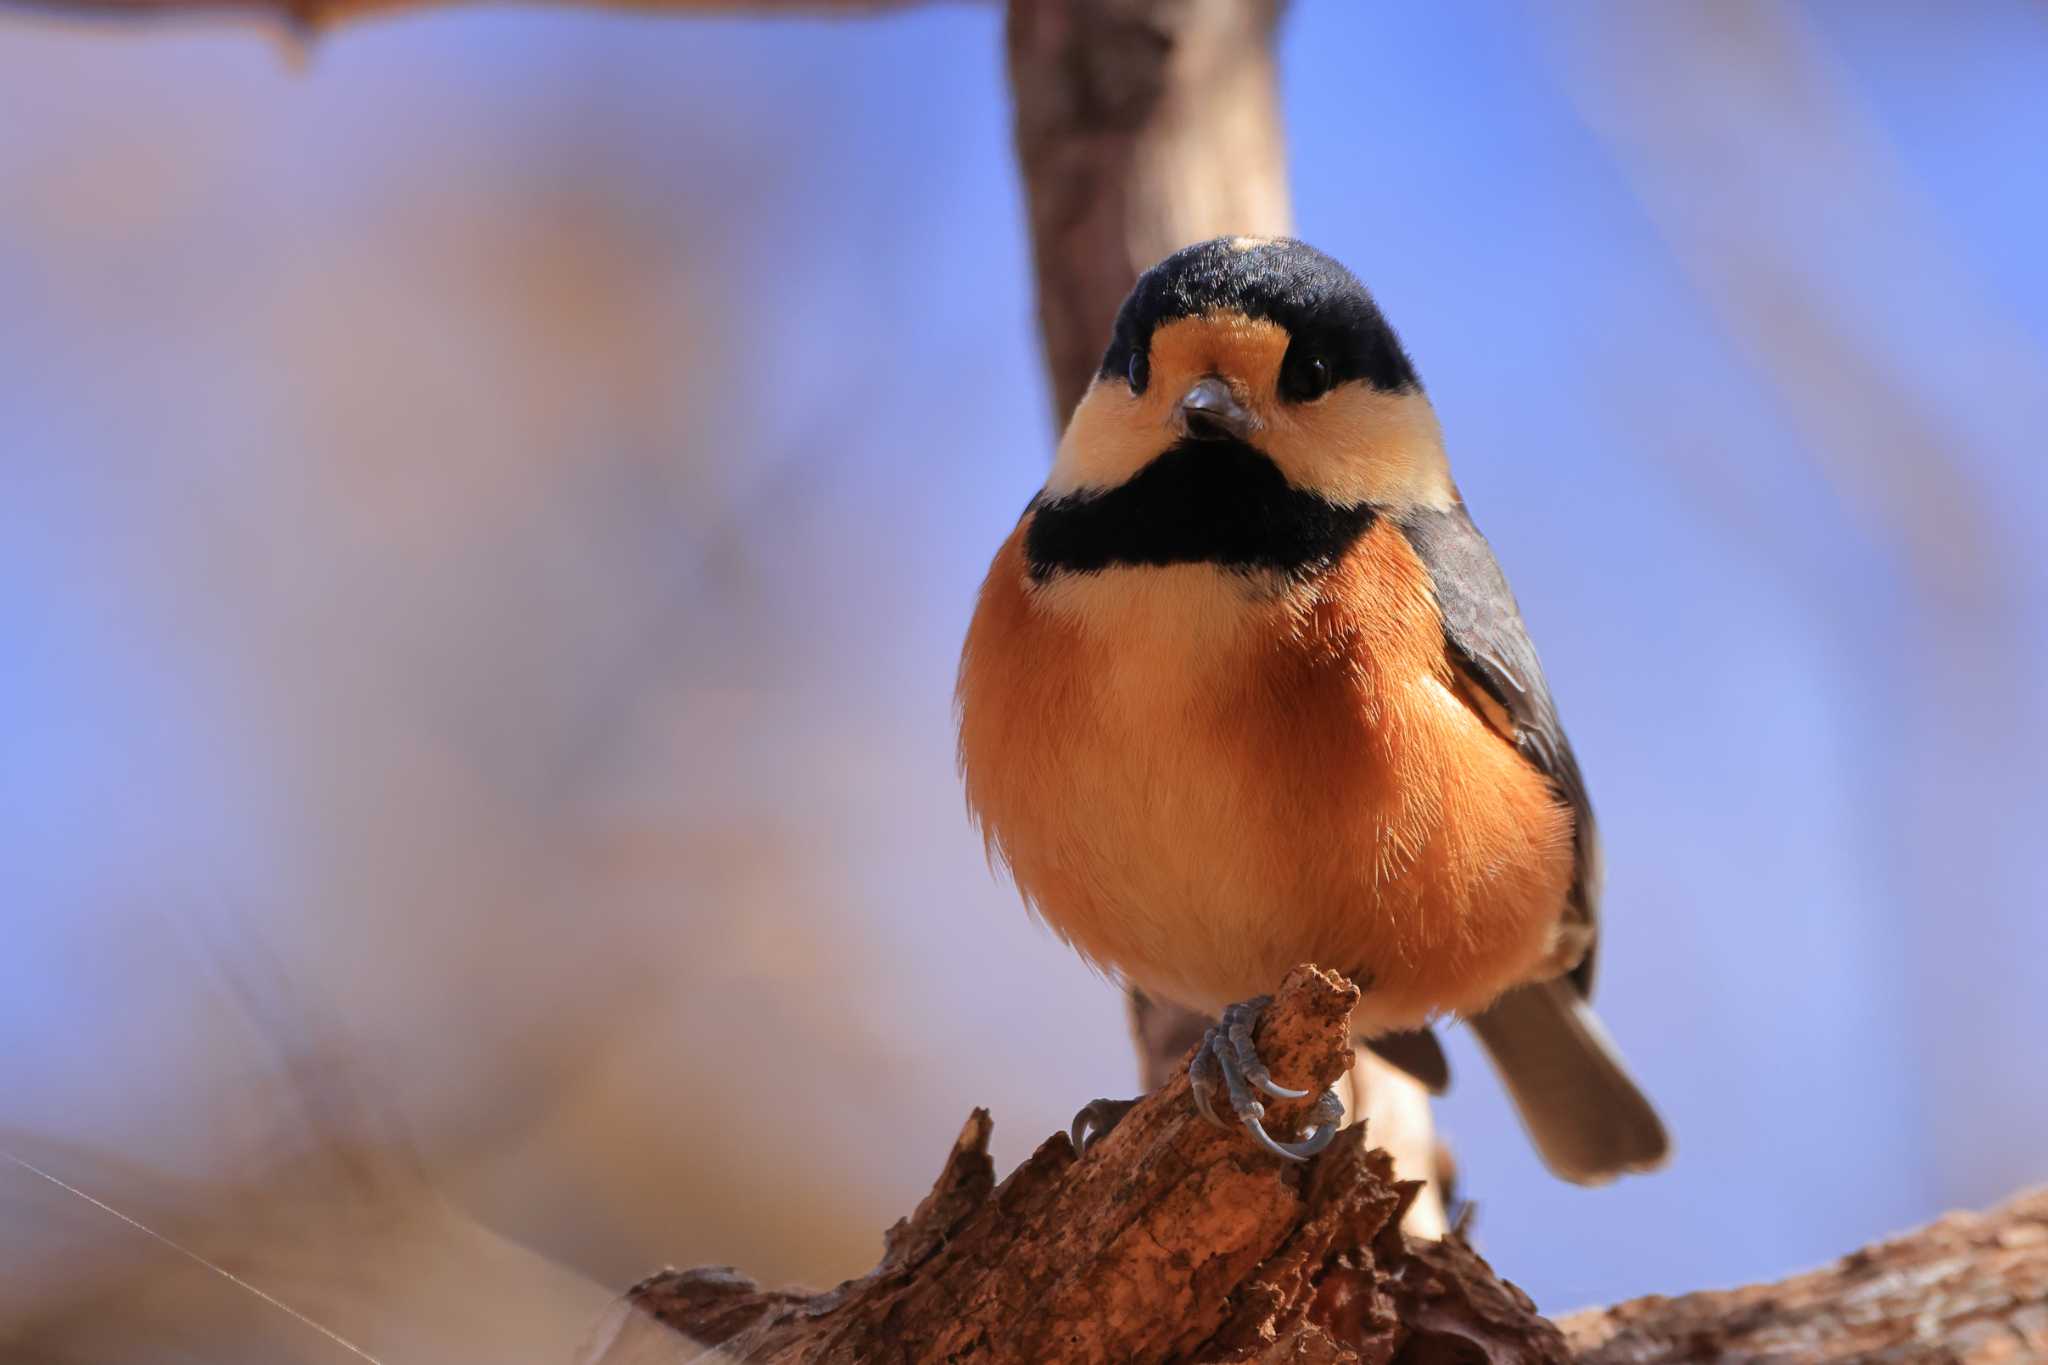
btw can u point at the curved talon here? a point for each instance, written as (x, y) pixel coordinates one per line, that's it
(1260, 1077)
(1242, 1069)
(1093, 1122)
(1277, 1091)
(1328, 1113)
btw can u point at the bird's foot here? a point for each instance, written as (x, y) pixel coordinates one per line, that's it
(1095, 1120)
(1227, 1048)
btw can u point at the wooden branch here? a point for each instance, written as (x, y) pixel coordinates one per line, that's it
(1971, 1287)
(1172, 1240)
(1394, 1105)
(1176, 1243)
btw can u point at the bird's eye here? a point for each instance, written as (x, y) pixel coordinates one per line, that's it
(1139, 372)
(1304, 378)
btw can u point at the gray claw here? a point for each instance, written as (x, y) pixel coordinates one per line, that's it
(1093, 1122)
(1237, 1025)
(1242, 1069)
(1328, 1113)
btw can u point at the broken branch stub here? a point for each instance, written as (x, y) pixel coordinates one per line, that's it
(1171, 1241)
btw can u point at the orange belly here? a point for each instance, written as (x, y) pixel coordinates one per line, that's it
(1199, 779)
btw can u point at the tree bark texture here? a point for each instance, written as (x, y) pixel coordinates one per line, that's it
(1174, 1241)
(1171, 1240)
(1969, 1288)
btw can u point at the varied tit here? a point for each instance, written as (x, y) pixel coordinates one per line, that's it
(1246, 688)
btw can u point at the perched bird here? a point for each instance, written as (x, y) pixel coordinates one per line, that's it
(1245, 688)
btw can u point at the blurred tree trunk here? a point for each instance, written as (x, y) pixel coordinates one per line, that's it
(1141, 126)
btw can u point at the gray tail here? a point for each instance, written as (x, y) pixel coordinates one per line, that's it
(1589, 1121)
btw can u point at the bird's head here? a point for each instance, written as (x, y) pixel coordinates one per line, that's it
(1261, 357)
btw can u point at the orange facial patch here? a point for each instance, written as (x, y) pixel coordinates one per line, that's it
(1114, 433)
(1246, 352)
(1353, 445)
(1356, 444)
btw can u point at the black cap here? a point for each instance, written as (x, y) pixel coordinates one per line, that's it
(1323, 307)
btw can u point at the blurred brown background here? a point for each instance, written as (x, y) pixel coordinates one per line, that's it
(489, 520)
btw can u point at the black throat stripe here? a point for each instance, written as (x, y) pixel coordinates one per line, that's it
(1202, 502)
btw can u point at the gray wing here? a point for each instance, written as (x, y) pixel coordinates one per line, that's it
(1486, 639)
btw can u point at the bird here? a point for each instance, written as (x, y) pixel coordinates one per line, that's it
(1246, 687)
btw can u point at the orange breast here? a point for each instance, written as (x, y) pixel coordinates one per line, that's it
(1199, 779)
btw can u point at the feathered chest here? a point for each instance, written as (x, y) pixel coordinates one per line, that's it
(1200, 776)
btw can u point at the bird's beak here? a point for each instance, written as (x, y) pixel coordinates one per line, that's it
(1209, 412)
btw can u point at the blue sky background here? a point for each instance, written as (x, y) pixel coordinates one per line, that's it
(490, 518)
